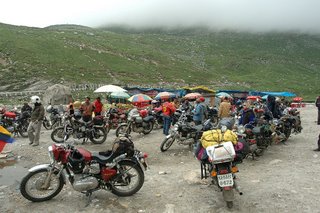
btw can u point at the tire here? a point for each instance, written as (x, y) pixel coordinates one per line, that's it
(22, 129)
(148, 129)
(117, 182)
(287, 133)
(122, 128)
(57, 135)
(28, 193)
(258, 152)
(46, 124)
(99, 135)
(166, 143)
(228, 196)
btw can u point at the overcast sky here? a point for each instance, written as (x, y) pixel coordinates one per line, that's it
(244, 15)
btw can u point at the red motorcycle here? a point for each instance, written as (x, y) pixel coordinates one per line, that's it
(113, 118)
(119, 170)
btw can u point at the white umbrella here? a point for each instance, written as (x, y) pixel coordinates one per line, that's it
(110, 88)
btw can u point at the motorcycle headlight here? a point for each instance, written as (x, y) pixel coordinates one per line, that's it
(50, 153)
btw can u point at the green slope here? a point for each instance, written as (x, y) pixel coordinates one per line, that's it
(220, 60)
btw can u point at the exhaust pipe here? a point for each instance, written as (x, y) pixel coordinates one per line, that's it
(237, 188)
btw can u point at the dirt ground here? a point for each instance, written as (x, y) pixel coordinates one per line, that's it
(284, 179)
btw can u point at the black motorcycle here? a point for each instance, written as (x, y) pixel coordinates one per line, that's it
(16, 123)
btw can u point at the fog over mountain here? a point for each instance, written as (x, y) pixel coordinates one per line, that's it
(240, 15)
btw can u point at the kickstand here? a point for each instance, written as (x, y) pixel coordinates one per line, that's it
(89, 198)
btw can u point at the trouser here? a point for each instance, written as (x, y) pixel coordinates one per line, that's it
(34, 132)
(166, 124)
(318, 116)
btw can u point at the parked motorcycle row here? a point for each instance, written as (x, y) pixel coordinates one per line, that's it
(220, 161)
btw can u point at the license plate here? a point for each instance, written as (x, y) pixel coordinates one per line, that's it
(225, 180)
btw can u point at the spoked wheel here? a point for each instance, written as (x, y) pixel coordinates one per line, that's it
(166, 143)
(148, 128)
(99, 135)
(22, 129)
(47, 124)
(57, 135)
(32, 186)
(123, 129)
(128, 180)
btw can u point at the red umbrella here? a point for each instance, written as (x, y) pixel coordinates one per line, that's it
(253, 98)
(193, 95)
(164, 95)
(297, 99)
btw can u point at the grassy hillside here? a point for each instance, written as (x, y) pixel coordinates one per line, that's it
(220, 60)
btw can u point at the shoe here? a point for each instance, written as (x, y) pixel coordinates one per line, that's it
(35, 144)
(317, 150)
(30, 143)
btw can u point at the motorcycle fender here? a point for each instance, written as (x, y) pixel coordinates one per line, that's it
(45, 166)
(168, 136)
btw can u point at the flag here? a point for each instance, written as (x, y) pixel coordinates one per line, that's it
(5, 137)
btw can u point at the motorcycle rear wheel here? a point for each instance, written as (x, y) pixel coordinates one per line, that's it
(129, 179)
(46, 124)
(166, 143)
(57, 135)
(148, 129)
(31, 189)
(99, 136)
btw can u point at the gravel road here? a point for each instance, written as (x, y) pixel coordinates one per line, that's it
(284, 179)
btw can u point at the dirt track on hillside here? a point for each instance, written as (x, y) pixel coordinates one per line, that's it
(284, 179)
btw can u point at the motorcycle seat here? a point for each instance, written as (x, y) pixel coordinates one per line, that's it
(102, 159)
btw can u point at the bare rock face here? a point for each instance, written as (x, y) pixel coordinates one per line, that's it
(57, 94)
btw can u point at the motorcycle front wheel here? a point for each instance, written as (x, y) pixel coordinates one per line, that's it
(57, 135)
(166, 143)
(46, 124)
(123, 129)
(128, 180)
(99, 135)
(32, 186)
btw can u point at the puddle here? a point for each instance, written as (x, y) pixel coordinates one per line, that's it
(11, 172)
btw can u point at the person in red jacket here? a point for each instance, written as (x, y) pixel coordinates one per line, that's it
(97, 106)
(168, 110)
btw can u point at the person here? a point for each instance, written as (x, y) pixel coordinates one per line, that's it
(97, 106)
(247, 114)
(318, 105)
(168, 110)
(198, 112)
(87, 109)
(26, 108)
(36, 119)
(205, 108)
(224, 108)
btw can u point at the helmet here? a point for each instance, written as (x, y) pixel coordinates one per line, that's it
(76, 104)
(76, 162)
(35, 99)
(49, 109)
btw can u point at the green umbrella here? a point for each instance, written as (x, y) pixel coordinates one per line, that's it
(119, 94)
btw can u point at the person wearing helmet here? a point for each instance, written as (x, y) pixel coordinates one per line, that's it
(37, 116)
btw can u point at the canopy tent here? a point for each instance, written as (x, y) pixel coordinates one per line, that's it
(279, 94)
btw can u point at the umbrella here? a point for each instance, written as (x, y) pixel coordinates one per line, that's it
(122, 95)
(110, 88)
(223, 94)
(254, 98)
(193, 95)
(165, 95)
(140, 98)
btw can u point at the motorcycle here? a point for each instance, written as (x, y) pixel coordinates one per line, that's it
(222, 168)
(114, 118)
(120, 172)
(92, 130)
(138, 121)
(54, 120)
(158, 118)
(16, 123)
(184, 132)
